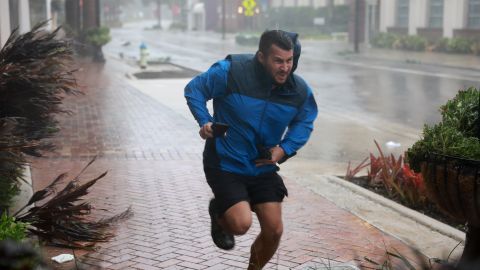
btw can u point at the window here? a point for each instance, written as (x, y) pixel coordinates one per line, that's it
(474, 14)
(402, 13)
(436, 14)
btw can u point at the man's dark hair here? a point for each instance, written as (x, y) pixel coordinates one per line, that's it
(277, 37)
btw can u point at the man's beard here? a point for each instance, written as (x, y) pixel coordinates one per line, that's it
(287, 74)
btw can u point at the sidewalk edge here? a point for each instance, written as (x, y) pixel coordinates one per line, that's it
(420, 218)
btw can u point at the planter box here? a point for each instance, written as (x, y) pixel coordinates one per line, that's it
(454, 185)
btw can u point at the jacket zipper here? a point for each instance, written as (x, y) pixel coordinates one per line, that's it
(267, 101)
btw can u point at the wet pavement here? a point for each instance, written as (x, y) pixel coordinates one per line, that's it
(153, 157)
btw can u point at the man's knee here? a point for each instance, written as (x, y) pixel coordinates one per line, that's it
(240, 227)
(273, 233)
(238, 219)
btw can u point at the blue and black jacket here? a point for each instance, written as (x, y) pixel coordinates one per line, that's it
(243, 98)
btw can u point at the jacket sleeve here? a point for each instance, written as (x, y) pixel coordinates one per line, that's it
(208, 85)
(301, 126)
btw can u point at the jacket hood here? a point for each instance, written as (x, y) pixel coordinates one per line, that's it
(297, 48)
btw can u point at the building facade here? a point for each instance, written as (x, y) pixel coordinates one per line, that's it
(303, 3)
(23, 14)
(13, 14)
(432, 19)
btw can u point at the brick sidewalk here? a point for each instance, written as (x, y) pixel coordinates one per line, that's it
(153, 156)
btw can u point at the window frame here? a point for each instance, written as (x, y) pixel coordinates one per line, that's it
(402, 20)
(439, 17)
(473, 16)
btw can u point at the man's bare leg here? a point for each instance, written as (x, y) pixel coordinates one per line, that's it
(271, 229)
(237, 219)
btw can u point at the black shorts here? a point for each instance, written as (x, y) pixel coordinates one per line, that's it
(230, 188)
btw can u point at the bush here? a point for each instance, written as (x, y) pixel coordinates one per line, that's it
(441, 45)
(178, 26)
(457, 135)
(247, 39)
(410, 43)
(8, 188)
(384, 40)
(476, 47)
(10, 229)
(460, 45)
(98, 36)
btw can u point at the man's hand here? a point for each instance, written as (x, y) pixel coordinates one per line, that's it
(206, 131)
(277, 154)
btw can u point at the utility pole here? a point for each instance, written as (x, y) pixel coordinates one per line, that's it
(329, 15)
(159, 10)
(356, 32)
(224, 21)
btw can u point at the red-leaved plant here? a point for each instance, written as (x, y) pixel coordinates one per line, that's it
(395, 175)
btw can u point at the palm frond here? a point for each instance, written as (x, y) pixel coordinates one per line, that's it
(62, 220)
(35, 74)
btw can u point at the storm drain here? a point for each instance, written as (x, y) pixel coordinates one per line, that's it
(165, 71)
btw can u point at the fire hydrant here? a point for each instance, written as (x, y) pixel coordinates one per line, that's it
(143, 56)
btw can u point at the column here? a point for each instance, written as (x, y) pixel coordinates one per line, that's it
(454, 16)
(23, 16)
(4, 22)
(387, 14)
(370, 19)
(417, 17)
(49, 15)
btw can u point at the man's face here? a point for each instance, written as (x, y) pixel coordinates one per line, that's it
(278, 63)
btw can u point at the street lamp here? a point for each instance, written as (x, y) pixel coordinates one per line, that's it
(223, 19)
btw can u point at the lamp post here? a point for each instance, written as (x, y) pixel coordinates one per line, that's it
(356, 32)
(223, 18)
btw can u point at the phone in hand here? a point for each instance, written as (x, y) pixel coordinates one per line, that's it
(219, 129)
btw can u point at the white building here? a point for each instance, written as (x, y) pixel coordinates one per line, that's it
(22, 14)
(431, 18)
(301, 3)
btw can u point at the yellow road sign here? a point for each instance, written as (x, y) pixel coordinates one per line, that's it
(249, 6)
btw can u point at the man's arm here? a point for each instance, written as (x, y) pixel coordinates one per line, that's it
(204, 87)
(301, 126)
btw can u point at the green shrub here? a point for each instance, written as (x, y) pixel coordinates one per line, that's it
(410, 43)
(441, 45)
(476, 47)
(458, 134)
(247, 39)
(8, 189)
(416, 43)
(98, 36)
(10, 229)
(384, 40)
(460, 45)
(178, 26)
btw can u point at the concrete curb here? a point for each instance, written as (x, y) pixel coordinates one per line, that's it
(431, 237)
(407, 212)
(417, 62)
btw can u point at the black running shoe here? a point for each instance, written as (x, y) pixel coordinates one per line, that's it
(221, 238)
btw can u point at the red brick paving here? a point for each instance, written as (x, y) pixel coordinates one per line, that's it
(157, 170)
